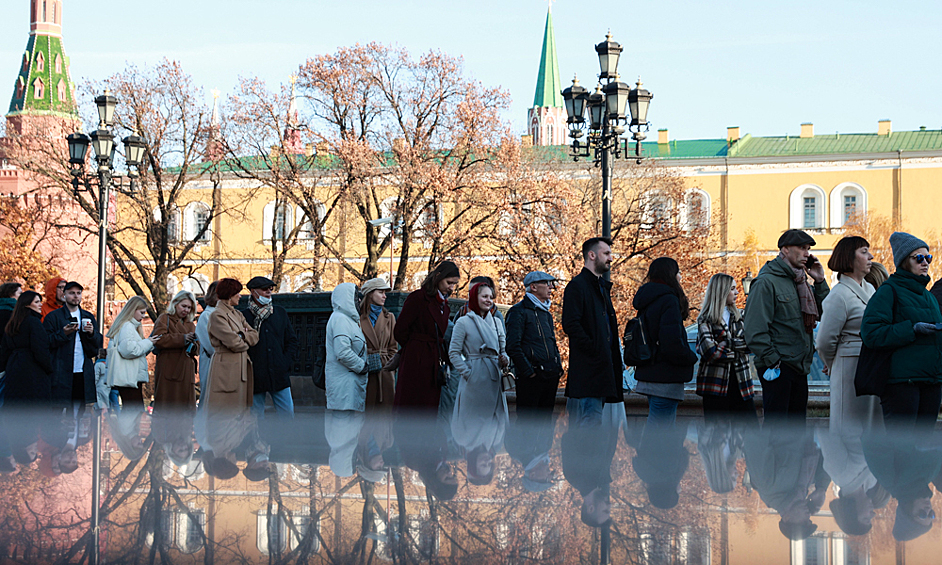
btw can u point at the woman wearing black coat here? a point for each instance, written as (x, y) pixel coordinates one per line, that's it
(663, 307)
(25, 353)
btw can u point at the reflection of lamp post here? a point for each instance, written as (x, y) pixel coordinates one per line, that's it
(102, 141)
(607, 120)
(747, 282)
(392, 239)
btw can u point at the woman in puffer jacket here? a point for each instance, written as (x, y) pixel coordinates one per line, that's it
(903, 316)
(127, 352)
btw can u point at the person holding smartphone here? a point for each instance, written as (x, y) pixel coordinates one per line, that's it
(782, 311)
(74, 341)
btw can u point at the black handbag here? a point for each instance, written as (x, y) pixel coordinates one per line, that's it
(873, 366)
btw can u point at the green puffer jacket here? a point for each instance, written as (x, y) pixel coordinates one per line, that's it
(774, 327)
(916, 358)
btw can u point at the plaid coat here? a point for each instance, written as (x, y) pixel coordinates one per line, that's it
(723, 354)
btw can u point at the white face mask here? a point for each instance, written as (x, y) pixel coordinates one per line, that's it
(263, 300)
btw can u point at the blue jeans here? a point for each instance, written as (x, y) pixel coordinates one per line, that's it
(113, 404)
(662, 412)
(585, 412)
(280, 399)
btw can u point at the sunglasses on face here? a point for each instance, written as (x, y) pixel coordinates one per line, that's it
(927, 514)
(920, 258)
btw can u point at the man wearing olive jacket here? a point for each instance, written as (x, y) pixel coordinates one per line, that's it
(595, 366)
(781, 312)
(275, 351)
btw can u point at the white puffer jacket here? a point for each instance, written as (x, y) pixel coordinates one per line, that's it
(346, 353)
(127, 356)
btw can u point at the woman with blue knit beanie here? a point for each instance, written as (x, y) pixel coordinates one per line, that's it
(903, 316)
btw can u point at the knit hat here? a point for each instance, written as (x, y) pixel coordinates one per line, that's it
(903, 244)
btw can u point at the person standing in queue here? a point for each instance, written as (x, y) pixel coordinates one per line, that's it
(275, 351)
(55, 295)
(74, 341)
(202, 335)
(231, 380)
(782, 311)
(175, 370)
(126, 370)
(420, 331)
(595, 365)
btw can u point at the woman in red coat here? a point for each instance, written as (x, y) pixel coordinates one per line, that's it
(419, 332)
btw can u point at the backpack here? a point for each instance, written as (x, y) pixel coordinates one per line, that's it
(638, 351)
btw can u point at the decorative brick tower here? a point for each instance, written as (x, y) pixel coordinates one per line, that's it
(43, 94)
(546, 120)
(293, 145)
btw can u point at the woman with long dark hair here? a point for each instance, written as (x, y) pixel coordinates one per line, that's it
(25, 354)
(420, 332)
(663, 307)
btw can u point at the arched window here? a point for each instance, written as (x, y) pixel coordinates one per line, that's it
(428, 224)
(60, 90)
(848, 203)
(40, 61)
(696, 212)
(197, 283)
(173, 285)
(271, 534)
(656, 210)
(807, 208)
(307, 230)
(197, 226)
(39, 89)
(276, 220)
(189, 529)
(58, 63)
(172, 225)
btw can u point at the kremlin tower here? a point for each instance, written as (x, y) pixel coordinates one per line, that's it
(546, 120)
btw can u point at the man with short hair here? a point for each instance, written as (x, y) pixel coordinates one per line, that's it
(531, 345)
(74, 341)
(275, 351)
(782, 310)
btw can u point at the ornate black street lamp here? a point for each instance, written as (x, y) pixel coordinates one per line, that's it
(102, 141)
(747, 282)
(607, 120)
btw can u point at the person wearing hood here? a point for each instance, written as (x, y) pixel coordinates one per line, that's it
(275, 351)
(54, 295)
(347, 369)
(903, 316)
(782, 310)
(663, 307)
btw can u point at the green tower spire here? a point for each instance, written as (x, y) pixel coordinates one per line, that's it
(43, 85)
(548, 84)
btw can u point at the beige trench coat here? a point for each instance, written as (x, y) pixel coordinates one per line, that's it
(230, 374)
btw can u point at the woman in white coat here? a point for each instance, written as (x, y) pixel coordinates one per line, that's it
(839, 342)
(127, 352)
(478, 353)
(346, 371)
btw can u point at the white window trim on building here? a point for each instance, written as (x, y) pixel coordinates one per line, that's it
(704, 222)
(190, 229)
(796, 211)
(837, 201)
(268, 215)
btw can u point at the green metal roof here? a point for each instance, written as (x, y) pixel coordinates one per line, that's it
(43, 51)
(749, 146)
(548, 84)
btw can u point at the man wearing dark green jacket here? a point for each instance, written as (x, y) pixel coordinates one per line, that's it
(781, 312)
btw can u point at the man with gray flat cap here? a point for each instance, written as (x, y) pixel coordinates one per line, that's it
(531, 345)
(275, 351)
(782, 311)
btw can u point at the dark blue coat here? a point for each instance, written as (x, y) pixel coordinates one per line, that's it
(275, 351)
(62, 347)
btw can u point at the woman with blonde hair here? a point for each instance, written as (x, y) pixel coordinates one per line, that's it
(175, 371)
(723, 380)
(877, 275)
(127, 352)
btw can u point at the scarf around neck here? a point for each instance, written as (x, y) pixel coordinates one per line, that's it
(488, 329)
(7, 303)
(261, 313)
(539, 303)
(375, 311)
(809, 308)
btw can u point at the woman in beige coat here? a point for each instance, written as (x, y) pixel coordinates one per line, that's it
(838, 341)
(230, 374)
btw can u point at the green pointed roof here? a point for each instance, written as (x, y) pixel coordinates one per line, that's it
(43, 63)
(548, 84)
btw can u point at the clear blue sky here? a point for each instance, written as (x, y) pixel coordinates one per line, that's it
(764, 66)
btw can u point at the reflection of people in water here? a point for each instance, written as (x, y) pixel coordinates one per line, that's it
(784, 464)
(720, 445)
(174, 431)
(661, 463)
(224, 433)
(342, 428)
(905, 470)
(125, 430)
(588, 447)
(423, 448)
(860, 493)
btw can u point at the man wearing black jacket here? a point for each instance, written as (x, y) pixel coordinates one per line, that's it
(275, 351)
(74, 341)
(531, 345)
(595, 366)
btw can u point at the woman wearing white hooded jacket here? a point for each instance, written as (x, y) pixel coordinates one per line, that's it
(346, 371)
(127, 351)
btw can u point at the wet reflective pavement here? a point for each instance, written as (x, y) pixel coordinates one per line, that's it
(225, 487)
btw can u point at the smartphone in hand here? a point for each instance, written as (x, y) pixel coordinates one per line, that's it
(810, 261)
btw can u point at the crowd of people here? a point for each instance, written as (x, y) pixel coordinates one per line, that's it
(384, 373)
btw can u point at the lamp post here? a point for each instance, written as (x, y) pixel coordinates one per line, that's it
(607, 120)
(103, 143)
(747, 282)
